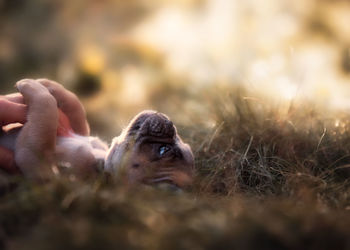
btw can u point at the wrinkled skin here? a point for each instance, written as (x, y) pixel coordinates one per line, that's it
(149, 151)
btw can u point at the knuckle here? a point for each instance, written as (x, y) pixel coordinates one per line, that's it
(44, 81)
(46, 99)
(71, 101)
(24, 80)
(49, 83)
(73, 98)
(30, 87)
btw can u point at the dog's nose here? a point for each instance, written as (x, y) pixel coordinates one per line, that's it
(158, 125)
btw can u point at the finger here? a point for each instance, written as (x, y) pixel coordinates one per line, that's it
(15, 97)
(70, 105)
(36, 142)
(7, 161)
(11, 112)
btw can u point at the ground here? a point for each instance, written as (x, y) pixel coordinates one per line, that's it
(268, 177)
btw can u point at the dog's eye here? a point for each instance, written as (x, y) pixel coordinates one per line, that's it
(163, 149)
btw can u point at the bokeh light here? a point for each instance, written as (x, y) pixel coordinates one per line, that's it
(118, 55)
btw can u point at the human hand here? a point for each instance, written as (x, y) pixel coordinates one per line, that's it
(72, 117)
(12, 110)
(70, 106)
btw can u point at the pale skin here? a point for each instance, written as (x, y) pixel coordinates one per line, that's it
(42, 119)
(12, 110)
(56, 131)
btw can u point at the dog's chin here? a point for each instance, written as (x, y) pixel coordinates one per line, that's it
(169, 187)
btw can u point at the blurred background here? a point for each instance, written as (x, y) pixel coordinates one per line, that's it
(122, 57)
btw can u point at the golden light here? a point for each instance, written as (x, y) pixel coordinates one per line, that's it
(262, 44)
(133, 90)
(287, 89)
(91, 59)
(110, 81)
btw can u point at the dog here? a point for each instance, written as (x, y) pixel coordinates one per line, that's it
(148, 151)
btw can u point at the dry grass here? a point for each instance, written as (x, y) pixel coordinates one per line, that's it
(268, 178)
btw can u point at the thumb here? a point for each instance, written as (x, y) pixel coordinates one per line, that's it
(11, 112)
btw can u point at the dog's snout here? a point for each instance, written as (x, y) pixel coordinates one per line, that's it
(159, 126)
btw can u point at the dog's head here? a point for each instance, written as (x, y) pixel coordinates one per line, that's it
(150, 151)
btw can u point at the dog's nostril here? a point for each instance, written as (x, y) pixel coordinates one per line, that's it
(160, 126)
(135, 165)
(156, 126)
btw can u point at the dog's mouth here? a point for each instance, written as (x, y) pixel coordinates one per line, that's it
(164, 183)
